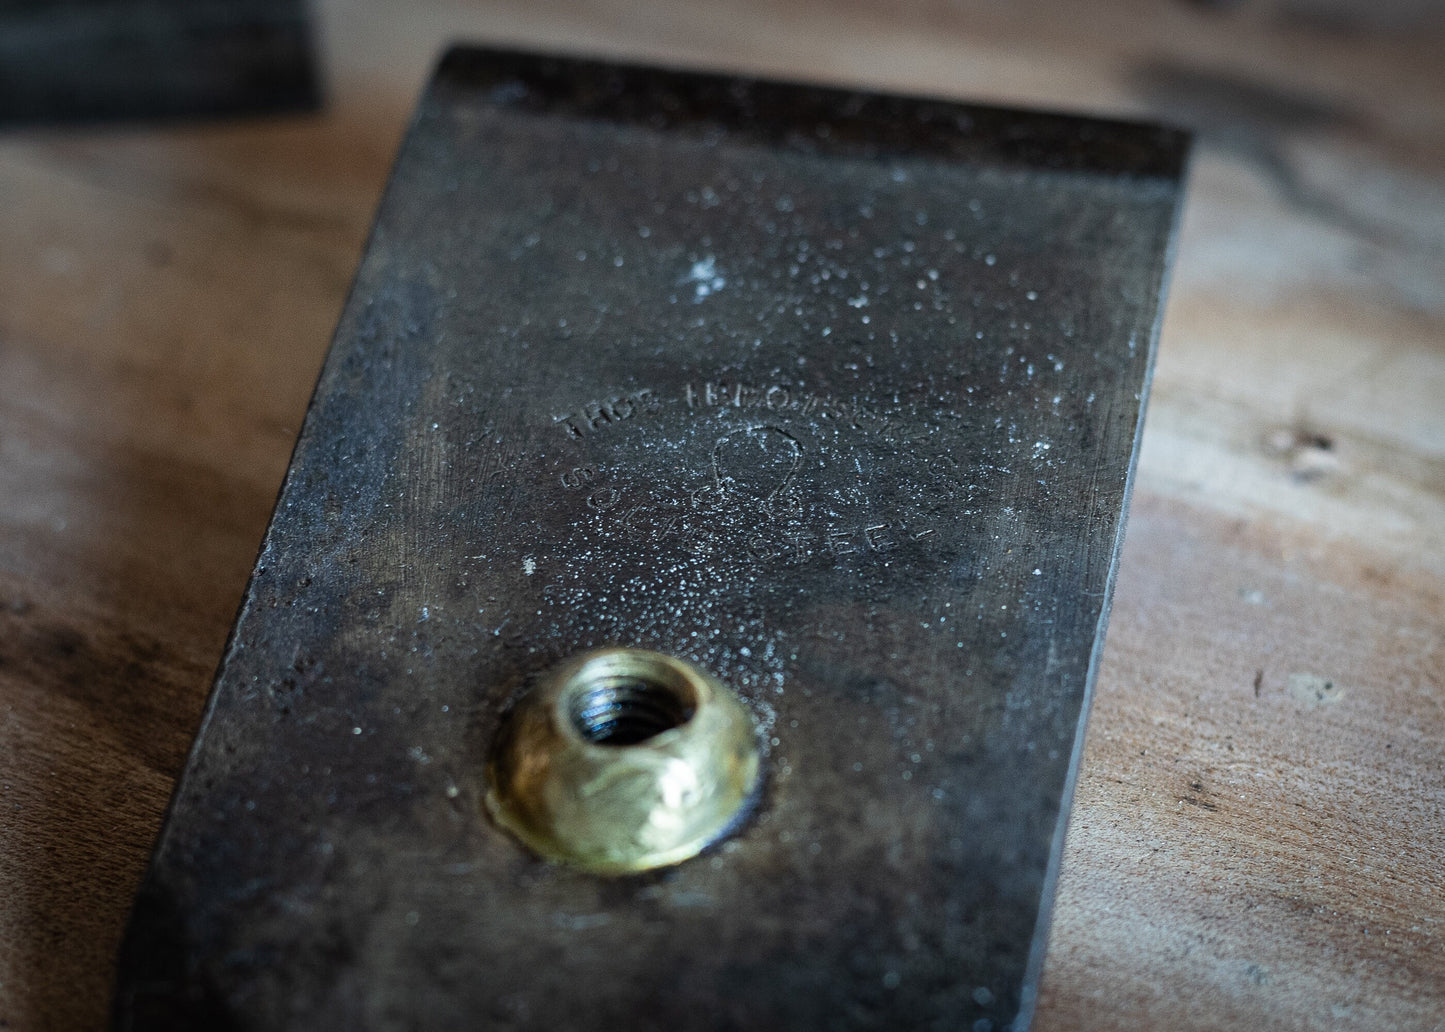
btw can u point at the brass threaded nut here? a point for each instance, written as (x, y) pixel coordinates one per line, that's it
(623, 760)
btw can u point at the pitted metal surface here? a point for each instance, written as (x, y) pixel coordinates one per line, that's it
(832, 395)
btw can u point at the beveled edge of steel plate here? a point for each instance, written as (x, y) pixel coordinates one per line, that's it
(811, 119)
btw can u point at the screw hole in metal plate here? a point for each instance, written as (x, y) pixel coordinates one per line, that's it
(624, 710)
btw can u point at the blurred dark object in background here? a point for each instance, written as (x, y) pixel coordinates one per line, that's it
(104, 60)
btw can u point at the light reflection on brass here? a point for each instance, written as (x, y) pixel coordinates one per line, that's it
(623, 760)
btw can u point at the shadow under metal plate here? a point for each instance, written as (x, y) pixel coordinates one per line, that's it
(834, 395)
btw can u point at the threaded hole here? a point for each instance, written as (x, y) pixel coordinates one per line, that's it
(622, 710)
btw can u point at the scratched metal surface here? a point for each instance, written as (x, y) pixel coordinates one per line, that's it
(835, 396)
(95, 60)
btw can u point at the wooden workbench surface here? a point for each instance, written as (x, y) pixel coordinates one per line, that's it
(1258, 837)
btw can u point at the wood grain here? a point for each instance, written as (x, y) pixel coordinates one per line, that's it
(1258, 838)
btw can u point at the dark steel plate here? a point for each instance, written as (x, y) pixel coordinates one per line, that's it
(834, 395)
(97, 60)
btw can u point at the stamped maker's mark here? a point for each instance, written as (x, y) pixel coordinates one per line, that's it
(756, 467)
(751, 502)
(599, 415)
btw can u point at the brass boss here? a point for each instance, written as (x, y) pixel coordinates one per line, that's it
(623, 760)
